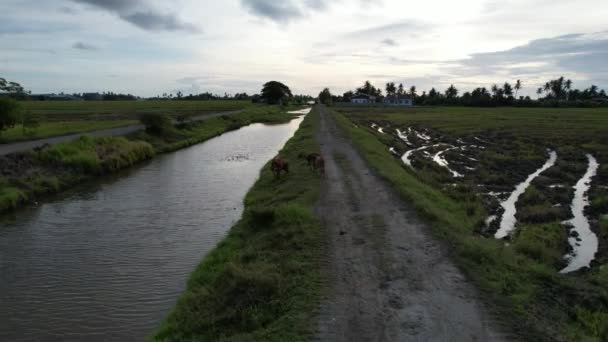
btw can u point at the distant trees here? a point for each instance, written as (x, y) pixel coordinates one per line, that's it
(346, 97)
(557, 92)
(412, 92)
(558, 89)
(391, 89)
(11, 88)
(451, 92)
(400, 90)
(518, 86)
(325, 97)
(275, 92)
(369, 89)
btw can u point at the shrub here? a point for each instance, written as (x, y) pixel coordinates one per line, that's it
(9, 113)
(156, 123)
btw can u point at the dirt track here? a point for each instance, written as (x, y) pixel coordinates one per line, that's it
(389, 279)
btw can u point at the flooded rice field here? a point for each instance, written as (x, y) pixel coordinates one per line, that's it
(519, 182)
(108, 261)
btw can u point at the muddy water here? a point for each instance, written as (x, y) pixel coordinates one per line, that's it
(408, 155)
(583, 251)
(440, 160)
(507, 224)
(107, 262)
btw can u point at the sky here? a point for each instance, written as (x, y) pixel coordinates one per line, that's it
(150, 47)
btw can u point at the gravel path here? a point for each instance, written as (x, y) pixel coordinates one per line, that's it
(389, 280)
(28, 145)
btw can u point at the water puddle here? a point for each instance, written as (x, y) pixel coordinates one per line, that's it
(440, 160)
(507, 224)
(300, 111)
(584, 242)
(408, 155)
(403, 137)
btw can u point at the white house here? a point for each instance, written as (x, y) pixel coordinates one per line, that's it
(398, 100)
(363, 99)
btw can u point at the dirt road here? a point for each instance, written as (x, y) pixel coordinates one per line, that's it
(389, 279)
(118, 131)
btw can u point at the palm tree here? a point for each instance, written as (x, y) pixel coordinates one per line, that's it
(451, 92)
(517, 87)
(390, 89)
(413, 92)
(400, 89)
(539, 92)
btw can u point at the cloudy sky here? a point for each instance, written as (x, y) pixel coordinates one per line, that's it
(147, 47)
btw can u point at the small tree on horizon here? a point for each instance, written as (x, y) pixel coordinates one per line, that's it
(325, 97)
(275, 92)
(518, 86)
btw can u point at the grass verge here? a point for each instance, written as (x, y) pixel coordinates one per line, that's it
(261, 283)
(521, 283)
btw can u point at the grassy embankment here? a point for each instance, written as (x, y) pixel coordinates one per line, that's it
(261, 283)
(24, 177)
(67, 117)
(519, 278)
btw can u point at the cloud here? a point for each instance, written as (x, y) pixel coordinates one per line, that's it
(84, 46)
(389, 42)
(411, 28)
(584, 55)
(284, 11)
(158, 22)
(281, 12)
(138, 13)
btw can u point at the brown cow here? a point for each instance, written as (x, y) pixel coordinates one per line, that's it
(279, 164)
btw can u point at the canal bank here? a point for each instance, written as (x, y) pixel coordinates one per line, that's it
(262, 282)
(108, 260)
(27, 177)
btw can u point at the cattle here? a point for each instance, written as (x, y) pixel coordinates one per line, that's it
(278, 165)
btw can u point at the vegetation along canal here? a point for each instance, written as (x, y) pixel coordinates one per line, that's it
(109, 262)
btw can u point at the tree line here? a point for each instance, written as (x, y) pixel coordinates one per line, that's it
(556, 92)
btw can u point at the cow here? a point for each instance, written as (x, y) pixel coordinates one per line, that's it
(279, 164)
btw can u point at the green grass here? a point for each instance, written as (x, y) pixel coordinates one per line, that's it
(261, 283)
(104, 110)
(519, 279)
(56, 128)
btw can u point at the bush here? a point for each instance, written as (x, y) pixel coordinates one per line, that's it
(30, 123)
(156, 123)
(9, 113)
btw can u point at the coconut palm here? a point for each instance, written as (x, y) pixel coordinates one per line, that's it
(413, 92)
(517, 87)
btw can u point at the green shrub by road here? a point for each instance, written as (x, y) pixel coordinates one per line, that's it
(261, 283)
